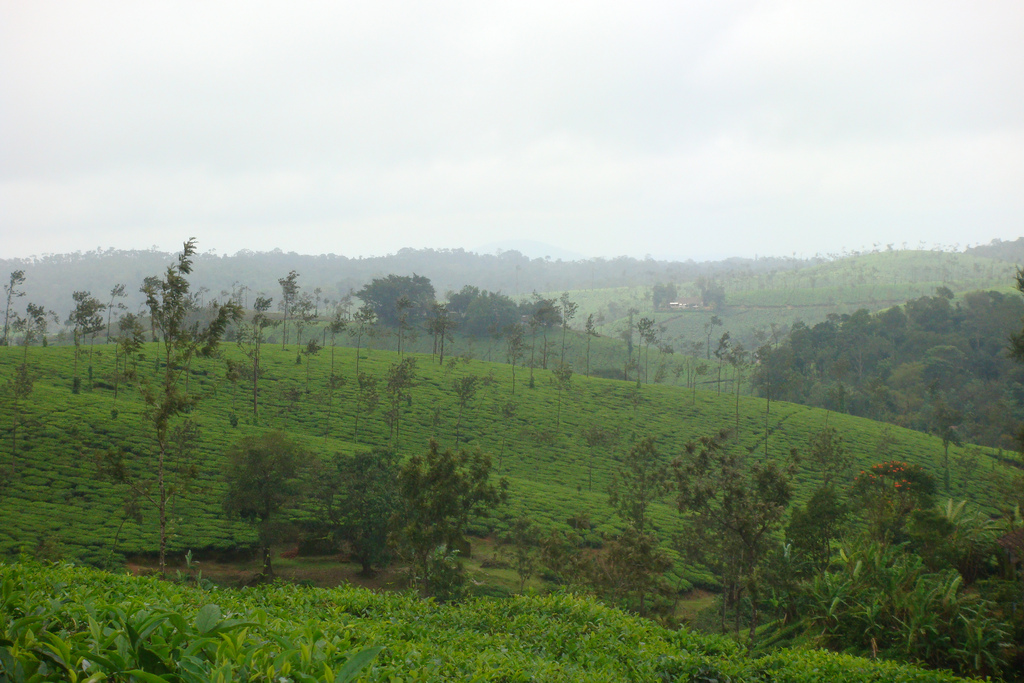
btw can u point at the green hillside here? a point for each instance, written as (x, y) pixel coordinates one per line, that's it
(83, 478)
(755, 299)
(52, 496)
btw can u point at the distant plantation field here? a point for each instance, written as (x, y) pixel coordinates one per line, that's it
(755, 300)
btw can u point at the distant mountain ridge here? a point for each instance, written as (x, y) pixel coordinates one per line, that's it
(531, 249)
(1004, 251)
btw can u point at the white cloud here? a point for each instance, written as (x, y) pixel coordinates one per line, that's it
(601, 127)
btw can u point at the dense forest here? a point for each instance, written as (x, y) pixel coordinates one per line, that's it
(757, 496)
(932, 364)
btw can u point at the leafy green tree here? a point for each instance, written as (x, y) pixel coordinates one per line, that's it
(523, 538)
(148, 283)
(19, 388)
(739, 360)
(86, 319)
(632, 569)
(813, 528)
(398, 384)
(357, 496)
(648, 332)
(543, 315)
(591, 331)
(562, 376)
(304, 313)
(562, 555)
(634, 563)
(945, 421)
(442, 326)
(1016, 340)
(709, 327)
(888, 493)
(312, 350)
(700, 369)
(761, 357)
(251, 337)
(34, 325)
(662, 295)
(712, 293)
(367, 399)
(515, 348)
(130, 338)
(827, 453)
(639, 482)
(460, 301)
(465, 389)
(289, 294)
(734, 506)
(383, 294)
(595, 437)
(722, 353)
(166, 398)
(568, 310)
(12, 290)
(364, 320)
(490, 312)
(440, 492)
(116, 292)
(261, 474)
(627, 336)
(334, 380)
(403, 307)
(507, 413)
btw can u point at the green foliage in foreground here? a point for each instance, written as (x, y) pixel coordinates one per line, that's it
(65, 623)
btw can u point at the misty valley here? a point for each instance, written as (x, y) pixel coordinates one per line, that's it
(442, 465)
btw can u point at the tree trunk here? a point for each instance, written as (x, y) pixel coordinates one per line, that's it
(14, 437)
(558, 411)
(359, 339)
(255, 385)
(268, 569)
(117, 372)
(724, 601)
(162, 505)
(753, 622)
(458, 426)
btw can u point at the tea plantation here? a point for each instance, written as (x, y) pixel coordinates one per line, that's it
(54, 503)
(58, 622)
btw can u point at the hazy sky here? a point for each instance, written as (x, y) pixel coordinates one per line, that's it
(676, 129)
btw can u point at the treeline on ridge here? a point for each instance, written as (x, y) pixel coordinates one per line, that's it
(932, 364)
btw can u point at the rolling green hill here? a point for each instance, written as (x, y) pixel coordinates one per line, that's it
(756, 299)
(53, 499)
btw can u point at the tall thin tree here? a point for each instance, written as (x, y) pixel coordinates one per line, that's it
(166, 399)
(12, 291)
(289, 292)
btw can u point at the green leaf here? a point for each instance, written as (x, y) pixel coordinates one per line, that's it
(146, 676)
(10, 668)
(178, 622)
(356, 664)
(51, 657)
(208, 618)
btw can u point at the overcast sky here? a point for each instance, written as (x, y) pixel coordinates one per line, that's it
(676, 129)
